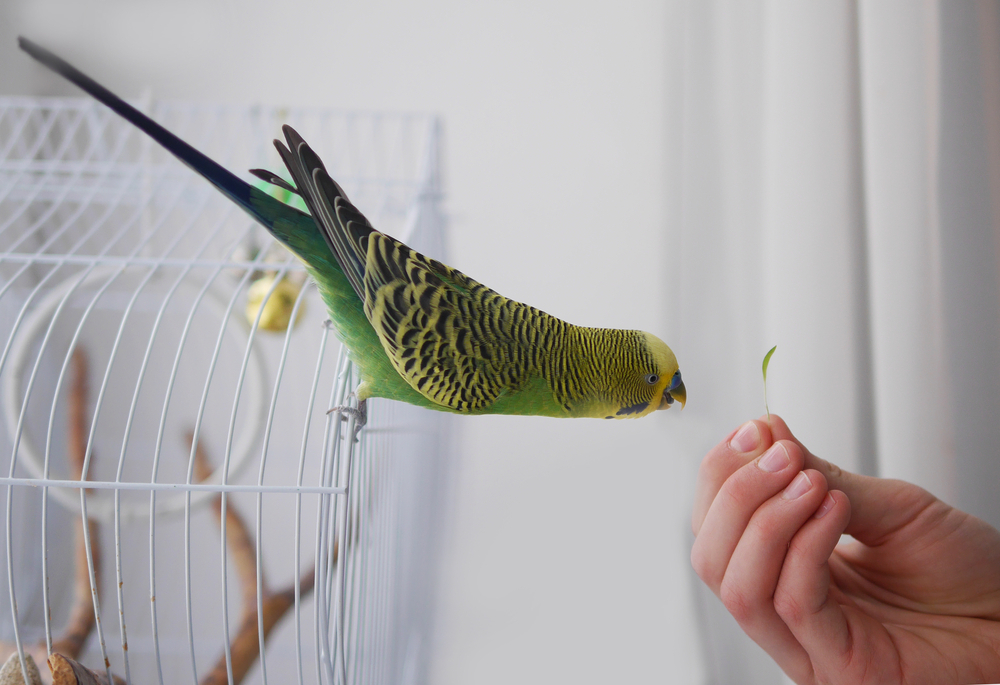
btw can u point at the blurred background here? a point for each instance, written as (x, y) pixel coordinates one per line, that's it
(824, 177)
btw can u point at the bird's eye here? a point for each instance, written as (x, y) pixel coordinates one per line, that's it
(652, 378)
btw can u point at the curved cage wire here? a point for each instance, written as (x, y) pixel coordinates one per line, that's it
(224, 504)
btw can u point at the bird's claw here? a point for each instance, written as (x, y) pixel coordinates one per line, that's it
(360, 414)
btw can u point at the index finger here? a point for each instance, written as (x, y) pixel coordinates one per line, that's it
(739, 448)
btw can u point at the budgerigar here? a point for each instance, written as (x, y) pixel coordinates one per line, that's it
(417, 330)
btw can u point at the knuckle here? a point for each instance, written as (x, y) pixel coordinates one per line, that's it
(735, 493)
(831, 468)
(716, 467)
(762, 525)
(768, 527)
(800, 547)
(788, 606)
(703, 564)
(737, 602)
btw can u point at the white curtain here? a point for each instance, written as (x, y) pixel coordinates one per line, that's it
(837, 193)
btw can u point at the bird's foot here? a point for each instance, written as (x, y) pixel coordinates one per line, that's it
(360, 414)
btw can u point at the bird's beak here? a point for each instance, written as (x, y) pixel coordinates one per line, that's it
(678, 394)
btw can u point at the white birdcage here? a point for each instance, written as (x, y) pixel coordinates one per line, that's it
(110, 246)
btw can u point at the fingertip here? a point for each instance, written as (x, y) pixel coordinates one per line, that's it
(825, 506)
(749, 438)
(780, 455)
(746, 439)
(834, 499)
(775, 459)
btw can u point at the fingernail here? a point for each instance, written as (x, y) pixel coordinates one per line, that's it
(797, 487)
(826, 506)
(774, 459)
(747, 438)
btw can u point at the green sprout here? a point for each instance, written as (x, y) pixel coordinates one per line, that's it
(763, 368)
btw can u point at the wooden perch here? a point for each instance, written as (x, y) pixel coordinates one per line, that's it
(245, 645)
(64, 668)
(66, 671)
(81, 618)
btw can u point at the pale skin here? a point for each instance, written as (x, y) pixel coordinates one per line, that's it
(913, 598)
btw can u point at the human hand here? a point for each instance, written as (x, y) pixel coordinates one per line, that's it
(914, 598)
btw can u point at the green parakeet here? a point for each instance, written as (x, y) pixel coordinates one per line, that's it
(417, 330)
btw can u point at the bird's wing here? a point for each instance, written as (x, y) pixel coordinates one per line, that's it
(444, 332)
(448, 336)
(344, 228)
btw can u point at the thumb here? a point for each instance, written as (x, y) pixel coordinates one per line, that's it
(880, 507)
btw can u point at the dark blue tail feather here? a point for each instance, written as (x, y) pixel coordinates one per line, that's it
(233, 187)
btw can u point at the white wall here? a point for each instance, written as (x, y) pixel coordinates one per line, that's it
(568, 556)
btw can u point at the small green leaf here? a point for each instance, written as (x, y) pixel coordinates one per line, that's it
(763, 368)
(767, 360)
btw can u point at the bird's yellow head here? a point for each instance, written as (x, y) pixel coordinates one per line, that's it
(651, 382)
(668, 386)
